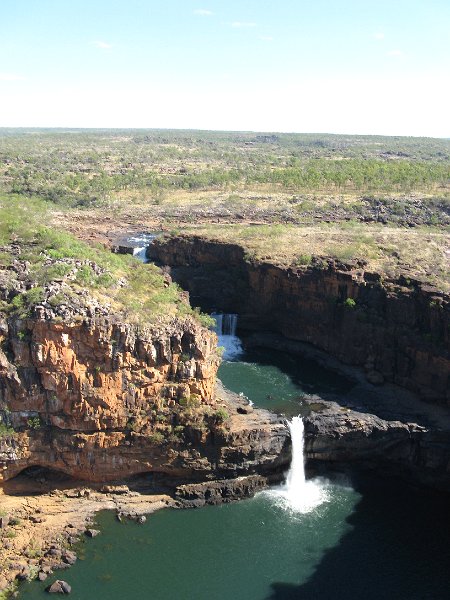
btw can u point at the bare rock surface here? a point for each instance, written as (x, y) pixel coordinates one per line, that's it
(337, 435)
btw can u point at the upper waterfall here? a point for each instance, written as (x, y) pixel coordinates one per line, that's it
(226, 326)
(140, 244)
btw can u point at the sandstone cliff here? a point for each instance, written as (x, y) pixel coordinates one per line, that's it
(102, 400)
(397, 331)
(106, 372)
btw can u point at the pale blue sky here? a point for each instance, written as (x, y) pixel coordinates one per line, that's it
(380, 67)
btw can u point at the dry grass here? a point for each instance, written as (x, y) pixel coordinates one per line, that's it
(257, 196)
(420, 252)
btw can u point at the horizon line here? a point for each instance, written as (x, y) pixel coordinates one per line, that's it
(206, 130)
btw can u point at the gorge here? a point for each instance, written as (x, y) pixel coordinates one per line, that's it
(101, 400)
(391, 331)
(397, 330)
(361, 538)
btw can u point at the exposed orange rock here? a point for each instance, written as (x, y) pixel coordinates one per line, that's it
(102, 399)
(94, 376)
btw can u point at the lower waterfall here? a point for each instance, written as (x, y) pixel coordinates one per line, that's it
(299, 494)
(226, 323)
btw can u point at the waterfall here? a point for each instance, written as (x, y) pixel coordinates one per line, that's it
(141, 254)
(140, 244)
(295, 480)
(226, 325)
(298, 494)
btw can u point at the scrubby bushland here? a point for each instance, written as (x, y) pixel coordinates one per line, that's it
(89, 168)
(39, 264)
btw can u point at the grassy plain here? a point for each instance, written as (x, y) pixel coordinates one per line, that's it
(285, 197)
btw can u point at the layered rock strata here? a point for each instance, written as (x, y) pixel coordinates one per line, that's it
(336, 436)
(99, 400)
(397, 330)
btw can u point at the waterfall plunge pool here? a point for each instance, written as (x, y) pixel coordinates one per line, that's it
(382, 541)
(376, 540)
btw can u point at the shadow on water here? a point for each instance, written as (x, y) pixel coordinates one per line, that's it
(310, 377)
(305, 372)
(278, 380)
(383, 541)
(397, 549)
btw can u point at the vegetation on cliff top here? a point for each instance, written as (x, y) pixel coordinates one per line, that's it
(385, 200)
(40, 263)
(421, 252)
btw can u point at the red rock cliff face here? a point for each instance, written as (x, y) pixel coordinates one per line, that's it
(101, 400)
(397, 330)
(97, 375)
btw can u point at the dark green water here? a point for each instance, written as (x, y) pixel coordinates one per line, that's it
(386, 542)
(277, 380)
(374, 541)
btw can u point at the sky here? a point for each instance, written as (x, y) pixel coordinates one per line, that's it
(348, 66)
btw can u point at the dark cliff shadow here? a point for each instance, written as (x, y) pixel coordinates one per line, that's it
(36, 480)
(306, 373)
(398, 549)
(348, 387)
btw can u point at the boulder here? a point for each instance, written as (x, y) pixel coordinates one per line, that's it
(114, 489)
(91, 532)
(69, 557)
(59, 587)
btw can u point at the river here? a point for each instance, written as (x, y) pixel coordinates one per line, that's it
(369, 539)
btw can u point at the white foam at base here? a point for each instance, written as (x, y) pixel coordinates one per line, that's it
(298, 494)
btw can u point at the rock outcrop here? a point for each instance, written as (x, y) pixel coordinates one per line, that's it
(100, 399)
(195, 495)
(59, 587)
(351, 439)
(397, 331)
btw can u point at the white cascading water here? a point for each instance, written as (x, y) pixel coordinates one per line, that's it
(226, 325)
(299, 494)
(140, 251)
(141, 254)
